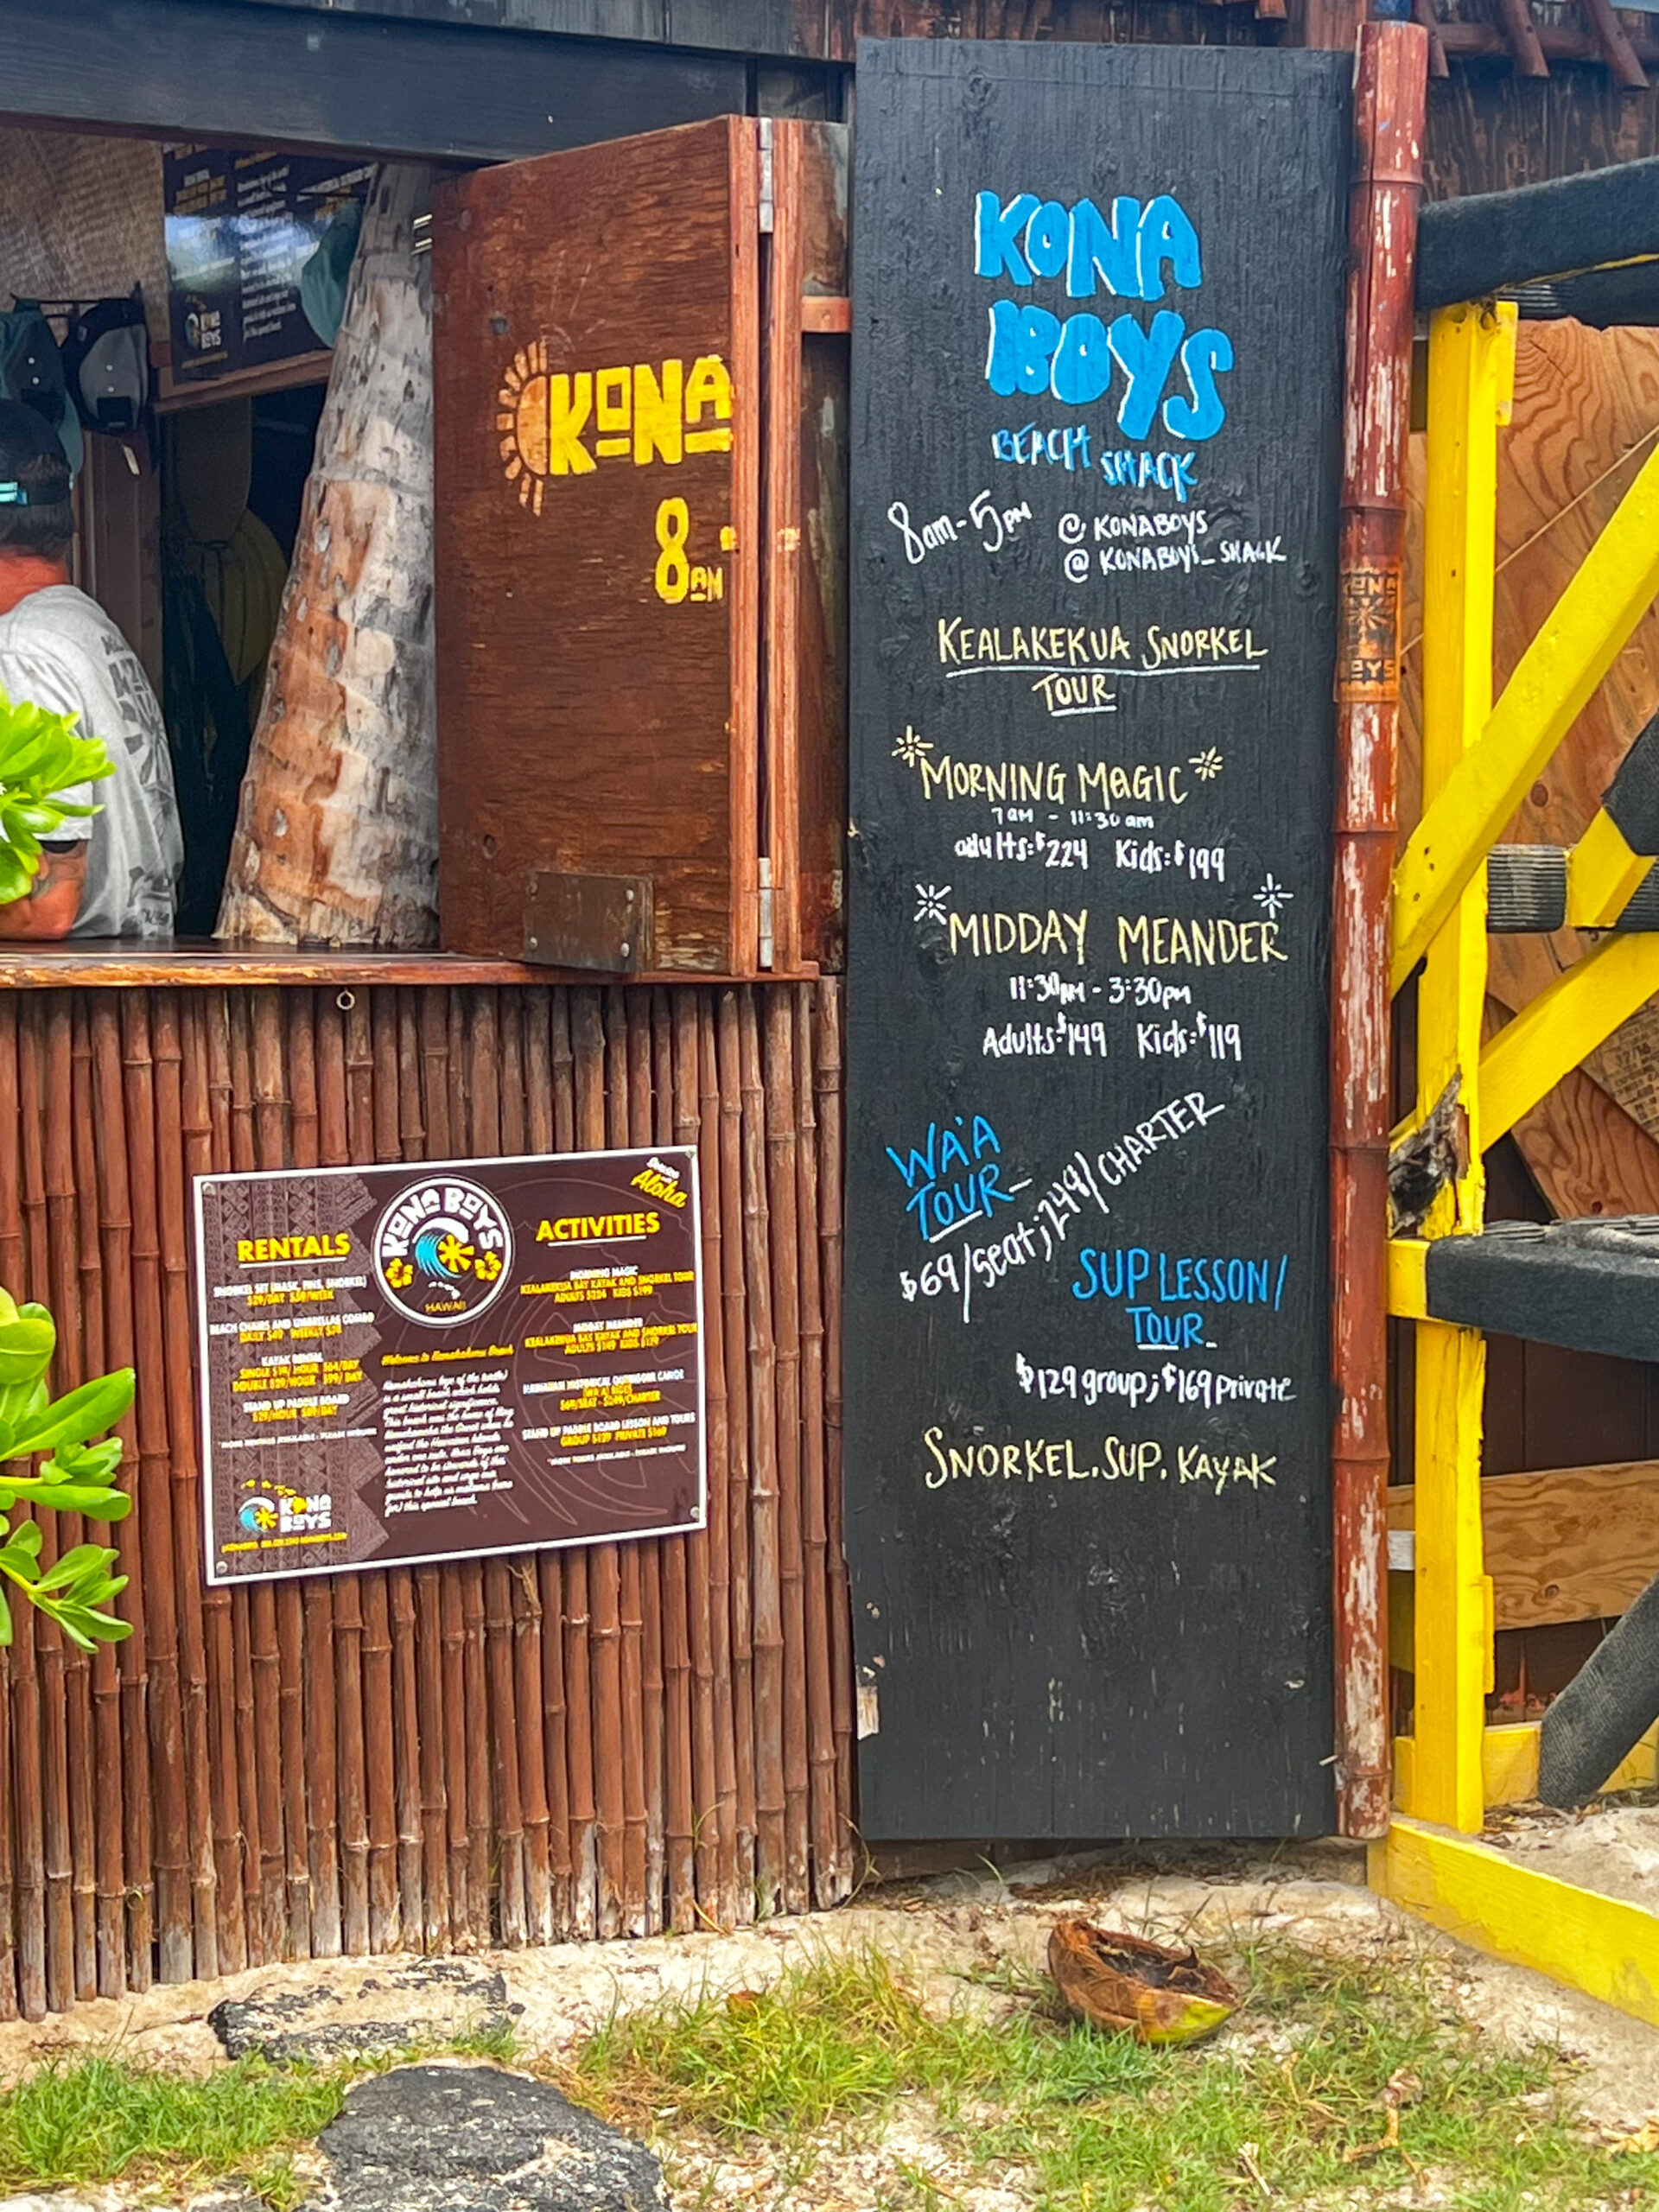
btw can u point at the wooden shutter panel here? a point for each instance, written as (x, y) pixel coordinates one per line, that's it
(636, 728)
(596, 385)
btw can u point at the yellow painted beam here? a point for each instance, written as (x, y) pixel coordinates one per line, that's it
(1470, 355)
(1452, 1596)
(1578, 643)
(1556, 1031)
(1508, 1761)
(1408, 1278)
(1603, 874)
(1470, 366)
(1601, 1945)
(1508, 1764)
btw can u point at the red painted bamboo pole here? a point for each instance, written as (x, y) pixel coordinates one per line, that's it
(1389, 92)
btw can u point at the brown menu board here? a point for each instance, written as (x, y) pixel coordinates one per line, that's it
(438, 1360)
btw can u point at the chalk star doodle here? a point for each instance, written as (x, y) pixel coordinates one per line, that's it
(1205, 766)
(930, 901)
(1272, 896)
(910, 748)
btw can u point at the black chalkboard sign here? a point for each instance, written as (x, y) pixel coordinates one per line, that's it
(1096, 358)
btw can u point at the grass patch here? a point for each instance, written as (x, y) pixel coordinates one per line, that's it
(1096, 2123)
(105, 2117)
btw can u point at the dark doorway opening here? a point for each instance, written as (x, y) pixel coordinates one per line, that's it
(233, 476)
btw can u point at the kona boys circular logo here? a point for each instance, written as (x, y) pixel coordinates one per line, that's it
(441, 1250)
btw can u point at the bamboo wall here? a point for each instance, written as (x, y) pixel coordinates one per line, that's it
(608, 1740)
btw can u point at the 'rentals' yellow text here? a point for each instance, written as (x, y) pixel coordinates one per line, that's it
(258, 1251)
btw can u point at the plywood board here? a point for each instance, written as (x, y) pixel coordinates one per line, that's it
(597, 376)
(1564, 1544)
(1584, 1153)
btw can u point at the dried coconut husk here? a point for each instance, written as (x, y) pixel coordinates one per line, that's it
(1130, 1987)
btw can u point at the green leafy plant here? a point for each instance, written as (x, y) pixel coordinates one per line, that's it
(41, 757)
(74, 1591)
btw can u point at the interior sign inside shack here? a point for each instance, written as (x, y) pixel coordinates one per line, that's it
(419, 1363)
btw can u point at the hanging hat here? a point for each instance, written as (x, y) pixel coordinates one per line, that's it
(106, 362)
(31, 373)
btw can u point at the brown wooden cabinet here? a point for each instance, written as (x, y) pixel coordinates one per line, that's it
(640, 407)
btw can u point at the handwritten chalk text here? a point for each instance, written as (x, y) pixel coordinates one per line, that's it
(1062, 935)
(1172, 940)
(1034, 1459)
(1189, 1386)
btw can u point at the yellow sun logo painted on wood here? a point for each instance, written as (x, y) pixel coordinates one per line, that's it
(565, 422)
(523, 421)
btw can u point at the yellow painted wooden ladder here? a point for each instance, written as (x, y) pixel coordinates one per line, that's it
(1479, 758)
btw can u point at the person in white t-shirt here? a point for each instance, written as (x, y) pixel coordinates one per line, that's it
(115, 874)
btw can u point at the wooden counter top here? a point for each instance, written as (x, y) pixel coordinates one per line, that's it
(163, 963)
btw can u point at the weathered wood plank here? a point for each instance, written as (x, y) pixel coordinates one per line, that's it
(1564, 1544)
(110, 965)
(433, 90)
(597, 449)
(1486, 128)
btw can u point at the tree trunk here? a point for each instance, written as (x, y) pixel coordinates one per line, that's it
(337, 833)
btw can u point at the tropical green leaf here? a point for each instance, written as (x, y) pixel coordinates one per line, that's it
(74, 1417)
(96, 1501)
(20, 1405)
(84, 1465)
(73, 1474)
(89, 1628)
(26, 1347)
(41, 758)
(79, 1564)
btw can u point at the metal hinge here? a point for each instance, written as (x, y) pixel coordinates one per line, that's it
(767, 198)
(765, 953)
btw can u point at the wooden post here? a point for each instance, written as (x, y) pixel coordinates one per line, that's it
(1389, 102)
(1472, 359)
(337, 837)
